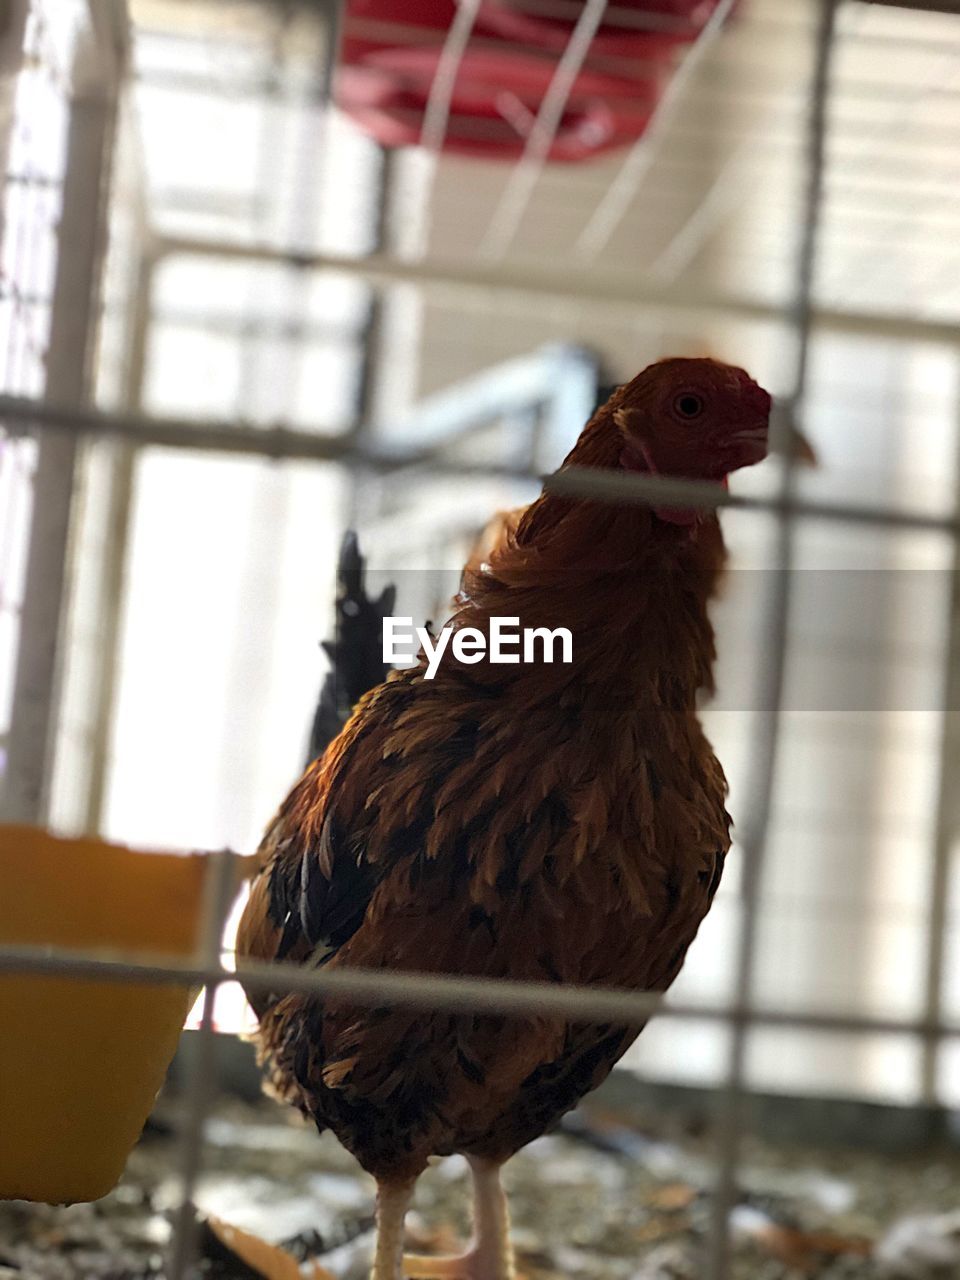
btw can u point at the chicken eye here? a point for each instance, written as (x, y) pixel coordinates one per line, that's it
(688, 405)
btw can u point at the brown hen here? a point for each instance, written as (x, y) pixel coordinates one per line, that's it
(551, 822)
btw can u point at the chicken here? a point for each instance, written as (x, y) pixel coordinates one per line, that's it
(549, 822)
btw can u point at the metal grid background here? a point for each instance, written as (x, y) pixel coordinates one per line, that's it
(830, 164)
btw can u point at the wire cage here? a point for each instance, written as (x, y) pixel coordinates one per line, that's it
(252, 293)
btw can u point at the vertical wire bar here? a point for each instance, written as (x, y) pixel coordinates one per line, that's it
(519, 189)
(119, 524)
(311, 148)
(766, 742)
(200, 1091)
(612, 209)
(201, 1082)
(80, 250)
(14, 487)
(12, 58)
(947, 825)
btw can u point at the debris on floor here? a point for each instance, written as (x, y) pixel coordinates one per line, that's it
(265, 1261)
(602, 1200)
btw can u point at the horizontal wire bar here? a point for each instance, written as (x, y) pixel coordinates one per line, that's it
(714, 124)
(782, 113)
(398, 32)
(920, 6)
(753, 24)
(540, 280)
(846, 194)
(619, 487)
(379, 988)
(278, 444)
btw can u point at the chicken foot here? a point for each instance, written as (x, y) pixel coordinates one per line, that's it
(490, 1257)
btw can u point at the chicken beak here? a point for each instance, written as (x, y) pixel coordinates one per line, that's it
(787, 439)
(801, 450)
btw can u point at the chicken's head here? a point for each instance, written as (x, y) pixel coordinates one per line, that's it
(692, 418)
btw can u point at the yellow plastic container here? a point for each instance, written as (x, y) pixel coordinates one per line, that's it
(81, 1061)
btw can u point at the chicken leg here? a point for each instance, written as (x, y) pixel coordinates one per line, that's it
(393, 1199)
(490, 1257)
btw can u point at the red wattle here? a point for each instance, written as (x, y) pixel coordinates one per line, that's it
(645, 466)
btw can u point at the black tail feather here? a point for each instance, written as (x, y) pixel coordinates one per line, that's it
(356, 653)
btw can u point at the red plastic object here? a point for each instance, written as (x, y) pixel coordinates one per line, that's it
(683, 21)
(370, 25)
(495, 100)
